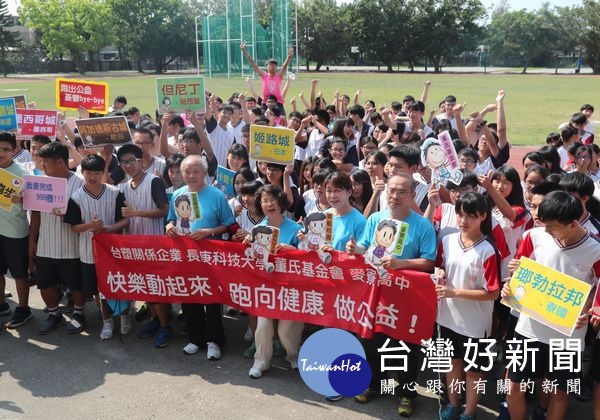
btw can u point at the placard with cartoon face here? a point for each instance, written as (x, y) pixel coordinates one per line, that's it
(390, 237)
(440, 155)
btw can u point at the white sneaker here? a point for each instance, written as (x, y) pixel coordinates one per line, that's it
(126, 324)
(191, 348)
(213, 352)
(107, 329)
(255, 373)
(248, 335)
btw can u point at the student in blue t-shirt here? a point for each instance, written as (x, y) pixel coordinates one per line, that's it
(419, 254)
(215, 219)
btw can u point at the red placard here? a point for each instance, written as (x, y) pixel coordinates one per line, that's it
(72, 94)
(345, 293)
(34, 122)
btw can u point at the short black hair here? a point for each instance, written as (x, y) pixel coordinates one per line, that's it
(576, 182)
(578, 118)
(409, 154)
(121, 99)
(469, 179)
(250, 188)
(177, 120)
(129, 148)
(54, 150)
(41, 139)
(190, 134)
(450, 98)
(473, 204)
(357, 110)
(7, 137)
(93, 163)
(276, 192)
(545, 188)
(560, 206)
(144, 130)
(417, 106)
(587, 106)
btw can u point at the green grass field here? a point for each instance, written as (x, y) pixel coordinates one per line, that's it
(535, 104)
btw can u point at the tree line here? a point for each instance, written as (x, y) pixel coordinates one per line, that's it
(387, 33)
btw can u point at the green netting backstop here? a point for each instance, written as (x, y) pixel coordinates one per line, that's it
(218, 38)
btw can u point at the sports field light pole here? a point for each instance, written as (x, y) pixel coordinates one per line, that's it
(197, 46)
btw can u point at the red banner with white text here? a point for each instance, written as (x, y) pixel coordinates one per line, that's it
(345, 293)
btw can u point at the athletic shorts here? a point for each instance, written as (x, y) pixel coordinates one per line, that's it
(89, 281)
(13, 256)
(50, 272)
(474, 353)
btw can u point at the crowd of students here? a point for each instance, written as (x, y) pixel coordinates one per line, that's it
(360, 163)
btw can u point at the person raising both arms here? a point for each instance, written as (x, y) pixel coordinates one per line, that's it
(271, 79)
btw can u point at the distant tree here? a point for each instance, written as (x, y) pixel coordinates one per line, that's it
(588, 27)
(447, 28)
(380, 28)
(8, 40)
(521, 35)
(72, 26)
(323, 29)
(158, 30)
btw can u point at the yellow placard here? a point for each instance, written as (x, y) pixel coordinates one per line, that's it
(547, 295)
(271, 144)
(9, 184)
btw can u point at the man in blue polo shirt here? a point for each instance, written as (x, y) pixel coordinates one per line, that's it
(418, 254)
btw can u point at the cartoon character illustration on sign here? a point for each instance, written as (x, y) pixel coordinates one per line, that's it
(183, 208)
(314, 235)
(262, 240)
(385, 242)
(434, 156)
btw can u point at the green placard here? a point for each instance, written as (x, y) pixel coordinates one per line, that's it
(180, 94)
(402, 232)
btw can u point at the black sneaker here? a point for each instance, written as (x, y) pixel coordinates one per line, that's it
(51, 323)
(77, 323)
(5, 309)
(20, 316)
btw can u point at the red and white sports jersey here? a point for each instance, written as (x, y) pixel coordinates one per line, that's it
(513, 230)
(474, 268)
(445, 223)
(580, 260)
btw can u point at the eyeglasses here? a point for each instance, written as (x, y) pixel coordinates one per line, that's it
(583, 157)
(271, 201)
(467, 161)
(393, 191)
(129, 162)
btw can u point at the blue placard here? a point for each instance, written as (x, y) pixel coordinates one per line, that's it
(8, 115)
(225, 181)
